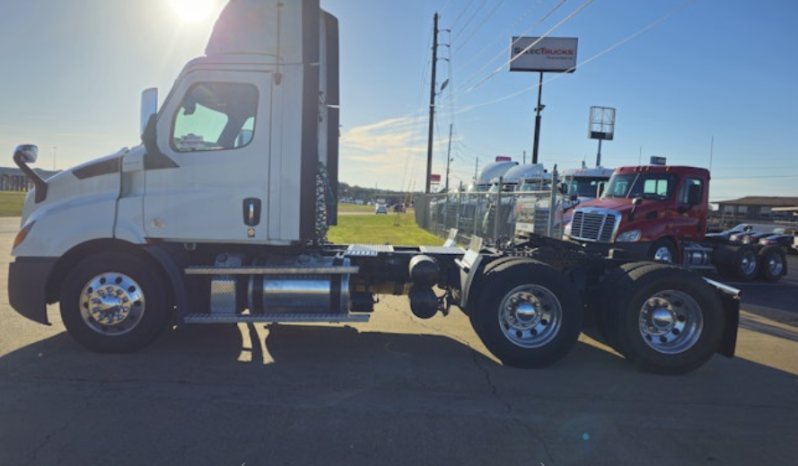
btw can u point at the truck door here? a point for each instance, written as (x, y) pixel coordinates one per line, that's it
(692, 214)
(215, 128)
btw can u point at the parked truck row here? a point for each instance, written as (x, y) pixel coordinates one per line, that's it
(219, 216)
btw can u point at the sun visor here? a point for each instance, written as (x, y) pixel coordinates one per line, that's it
(265, 27)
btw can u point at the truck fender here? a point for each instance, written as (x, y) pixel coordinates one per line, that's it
(730, 297)
(173, 266)
(164, 258)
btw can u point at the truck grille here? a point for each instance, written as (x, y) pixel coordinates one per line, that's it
(594, 225)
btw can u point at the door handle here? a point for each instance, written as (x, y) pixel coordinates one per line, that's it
(252, 208)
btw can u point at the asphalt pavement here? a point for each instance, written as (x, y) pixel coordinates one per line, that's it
(394, 391)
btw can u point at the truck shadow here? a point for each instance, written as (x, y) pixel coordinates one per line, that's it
(326, 359)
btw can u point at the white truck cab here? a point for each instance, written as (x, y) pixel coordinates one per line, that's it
(240, 152)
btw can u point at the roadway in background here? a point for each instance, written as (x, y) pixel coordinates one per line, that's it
(395, 391)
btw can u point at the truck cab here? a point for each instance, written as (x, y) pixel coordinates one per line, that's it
(648, 210)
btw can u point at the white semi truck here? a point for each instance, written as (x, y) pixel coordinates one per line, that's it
(219, 217)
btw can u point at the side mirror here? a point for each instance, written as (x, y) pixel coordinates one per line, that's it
(149, 107)
(23, 155)
(26, 153)
(600, 189)
(563, 188)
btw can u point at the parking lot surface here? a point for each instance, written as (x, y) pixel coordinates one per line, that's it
(394, 391)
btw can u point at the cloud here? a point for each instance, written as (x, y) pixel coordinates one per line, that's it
(390, 153)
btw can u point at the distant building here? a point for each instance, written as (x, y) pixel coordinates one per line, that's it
(760, 208)
(12, 179)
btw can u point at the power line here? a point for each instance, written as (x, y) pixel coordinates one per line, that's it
(585, 62)
(502, 36)
(484, 20)
(471, 18)
(504, 51)
(529, 47)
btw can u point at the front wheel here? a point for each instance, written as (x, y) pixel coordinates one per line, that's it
(663, 250)
(114, 303)
(527, 314)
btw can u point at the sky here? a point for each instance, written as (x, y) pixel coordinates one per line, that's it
(707, 83)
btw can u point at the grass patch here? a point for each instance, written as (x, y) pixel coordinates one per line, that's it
(399, 230)
(355, 208)
(11, 203)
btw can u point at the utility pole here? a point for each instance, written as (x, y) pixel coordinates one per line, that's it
(476, 172)
(432, 102)
(448, 158)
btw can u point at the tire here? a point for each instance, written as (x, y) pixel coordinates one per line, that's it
(487, 274)
(131, 298)
(603, 302)
(772, 264)
(746, 263)
(663, 250)
(669, 321)
(527, 314)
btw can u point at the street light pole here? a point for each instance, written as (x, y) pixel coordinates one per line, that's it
(537, 121)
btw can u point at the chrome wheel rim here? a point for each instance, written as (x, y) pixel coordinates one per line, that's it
(748, 262)
(671, 322)
(112, 304)
(775, 265)
(530, 316)
(663, 254)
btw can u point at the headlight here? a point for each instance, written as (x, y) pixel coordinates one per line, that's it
(734, 238)
(630, 236)
(567, 230)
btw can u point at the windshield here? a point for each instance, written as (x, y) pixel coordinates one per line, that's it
(657, 186)
(584, 186)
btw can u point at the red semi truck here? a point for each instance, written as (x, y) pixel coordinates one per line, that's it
(660, 212)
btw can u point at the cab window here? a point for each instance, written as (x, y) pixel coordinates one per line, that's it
(215, 116)
(684, 194)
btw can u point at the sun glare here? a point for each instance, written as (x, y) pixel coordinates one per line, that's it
(192, 10)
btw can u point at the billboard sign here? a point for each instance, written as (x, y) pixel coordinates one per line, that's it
(503, 158)
(655, 160)
(555, 54)
(435, 179)
(602, 123)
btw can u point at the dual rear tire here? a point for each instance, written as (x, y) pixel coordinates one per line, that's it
(662, 318)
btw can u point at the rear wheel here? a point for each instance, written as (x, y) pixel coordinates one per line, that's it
(669, 321)
(746, 263)
(527, 314)
(604, 304)
(772, 264)
(114, 303)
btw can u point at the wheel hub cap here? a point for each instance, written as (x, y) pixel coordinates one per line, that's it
(112, 303)
(671, 322)
(530, 316)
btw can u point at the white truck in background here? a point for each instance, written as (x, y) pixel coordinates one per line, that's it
(219, 216)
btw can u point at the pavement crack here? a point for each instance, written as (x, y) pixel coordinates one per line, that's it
(509, 408)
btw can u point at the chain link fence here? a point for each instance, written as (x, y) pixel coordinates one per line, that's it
(492, 215)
